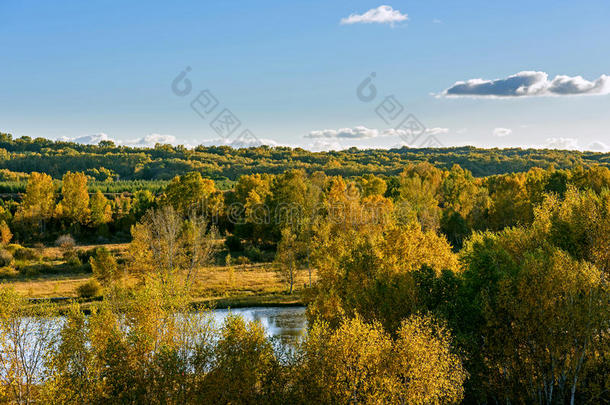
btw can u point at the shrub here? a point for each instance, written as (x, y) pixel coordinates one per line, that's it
(6, 258)
(24, 253)
(85, 255)
(91, 288)
(71, 258)
(28, 270)
(254, 254)
(65, 242)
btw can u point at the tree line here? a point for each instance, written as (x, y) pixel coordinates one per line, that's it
(107, 162)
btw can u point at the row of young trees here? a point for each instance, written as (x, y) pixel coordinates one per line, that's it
(46, 210)
(259, 206)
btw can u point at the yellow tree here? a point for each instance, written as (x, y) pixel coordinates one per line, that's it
(365, 262)
(38, 202)
(458, 191)
(427, 370)
(359, 363)
(246, 209)
(244, 362)
(579, 224)
(510, 204)
(349, 365)
(74, 205)
(289, 257)
(167, 247)
(5, 233)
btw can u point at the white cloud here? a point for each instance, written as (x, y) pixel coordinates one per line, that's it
(437, 21)
(240, 142)
(402, 132)
(379, 15)
(320, 145)
(598, 146)
(529, 84)
(502, 132)
(437, 131)
(359, 132)
(562, 143)
(88, 139)
(151, 139)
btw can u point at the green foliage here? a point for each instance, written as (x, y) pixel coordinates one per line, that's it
(233, 243)
(106, 162)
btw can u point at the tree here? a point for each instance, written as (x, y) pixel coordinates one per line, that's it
(418, 196)
(38, 203)
(101, 211)
(372, 185)
(370, 271)
(248, 213)
(74, 205)
(289, 203)
(349, 365)
(539, 313)
(27, 333)
(428, 371)
(72, 375)
(288, 257)
(359, 362)
(5, 233)
(244, 360)
(104, 266)
(458, 190)
(578, 224)
(166, 246)
(190, 193)
(510, 204)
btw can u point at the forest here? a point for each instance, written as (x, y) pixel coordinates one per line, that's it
(429, 276)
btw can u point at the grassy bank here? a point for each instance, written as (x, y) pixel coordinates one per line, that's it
(46, 275)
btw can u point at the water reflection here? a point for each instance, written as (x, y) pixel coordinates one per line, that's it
(285, 323)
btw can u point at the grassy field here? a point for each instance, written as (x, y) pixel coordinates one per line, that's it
(48, 275)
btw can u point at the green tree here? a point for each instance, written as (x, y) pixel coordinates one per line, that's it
(101, 211)
(190, 193)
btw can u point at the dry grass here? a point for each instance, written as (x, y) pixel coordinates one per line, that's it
(237, 285)
(245, 283)
(47, 287)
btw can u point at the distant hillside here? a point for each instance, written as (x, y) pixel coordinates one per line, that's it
(107, 161)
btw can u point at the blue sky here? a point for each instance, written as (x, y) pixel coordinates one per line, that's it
(289, 70)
